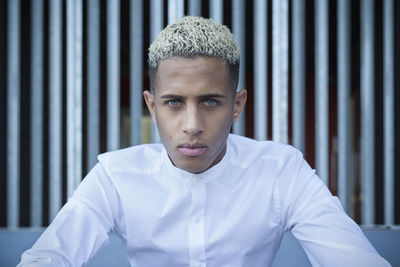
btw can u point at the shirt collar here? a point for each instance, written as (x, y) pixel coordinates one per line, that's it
(194, 178)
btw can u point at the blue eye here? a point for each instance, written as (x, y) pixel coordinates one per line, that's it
(173, 102)
(210, 102)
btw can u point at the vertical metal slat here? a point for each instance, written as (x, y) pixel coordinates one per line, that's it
(156, 25)
(280, 69)
(388, 33)
(74, 95)
(195, 7)
(343, 51)
(157, 18)
(13, 114)
(322, 89)
(55, 107)
(367, 112)
(298, 74)
(136, 84)
(113, 72)
(216, 10)
(93, 83)
(175, 10)
(37, 113)
(260, 70)
(238, 28)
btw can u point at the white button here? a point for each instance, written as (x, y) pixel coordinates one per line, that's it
(197, 219)
(197, 178)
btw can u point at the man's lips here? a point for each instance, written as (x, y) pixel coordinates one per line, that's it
(192, 150)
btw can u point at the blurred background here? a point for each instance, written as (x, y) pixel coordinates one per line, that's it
(323, 76)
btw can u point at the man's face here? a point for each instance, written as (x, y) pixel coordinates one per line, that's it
(194, 107)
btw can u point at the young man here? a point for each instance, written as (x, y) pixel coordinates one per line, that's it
(203, 197)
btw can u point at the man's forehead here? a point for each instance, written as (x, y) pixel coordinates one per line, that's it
(203, 75)
(177, 65)
(194, 71)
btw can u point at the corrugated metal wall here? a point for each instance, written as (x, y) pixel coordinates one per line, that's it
(321, 75)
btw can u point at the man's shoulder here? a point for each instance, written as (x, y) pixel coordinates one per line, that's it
(141, 158)
(259, 150)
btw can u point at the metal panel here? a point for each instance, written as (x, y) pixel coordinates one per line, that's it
(322, 89)
(157, 18)
(260, 70)
(280, 69)
(113, 72)
(175, 10)
(238, 28)
(298, 73)
(195, 7)
(136, 84)
(216, 10)
(367, 112)
(55, 107)
(93, 83)
(343, 52)
(156, 25)
(388, 52)
(13, 114)
(37, 113)
(74, 95)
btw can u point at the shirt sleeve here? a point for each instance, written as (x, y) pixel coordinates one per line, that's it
(81, 227)
(316, 218)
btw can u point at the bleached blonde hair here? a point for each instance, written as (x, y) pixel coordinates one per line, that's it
(192, 37)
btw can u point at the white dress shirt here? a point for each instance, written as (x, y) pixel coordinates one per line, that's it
(233, 214)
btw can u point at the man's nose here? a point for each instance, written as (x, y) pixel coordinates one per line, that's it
(192, 122)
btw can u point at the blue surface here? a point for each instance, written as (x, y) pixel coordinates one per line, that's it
(13, 243)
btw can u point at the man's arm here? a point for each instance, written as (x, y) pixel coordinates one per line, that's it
(316, 218)
(82, 226)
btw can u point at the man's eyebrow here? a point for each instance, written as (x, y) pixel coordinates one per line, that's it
(168, 96)
(211, 96)
(172, 96)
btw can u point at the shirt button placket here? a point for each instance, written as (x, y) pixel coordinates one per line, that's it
(196, 224)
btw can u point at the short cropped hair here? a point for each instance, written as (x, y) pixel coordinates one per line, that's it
(192, 37)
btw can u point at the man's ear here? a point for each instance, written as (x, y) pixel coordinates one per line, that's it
(149, 98)
(240, 101)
